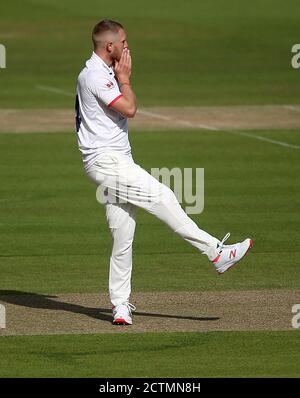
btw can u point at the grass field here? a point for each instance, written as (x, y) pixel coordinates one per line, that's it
(202, 53)
(54, 239)
(53, 225)
(53, 233)
(256, 354)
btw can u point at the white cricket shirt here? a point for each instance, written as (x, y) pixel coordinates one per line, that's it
(99, 128)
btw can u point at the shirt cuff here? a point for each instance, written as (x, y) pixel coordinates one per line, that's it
(113, 101)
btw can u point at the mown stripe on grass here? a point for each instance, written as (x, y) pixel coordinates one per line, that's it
(217, 354)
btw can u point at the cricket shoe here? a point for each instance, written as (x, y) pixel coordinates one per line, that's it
(122, 314)
(229, 255)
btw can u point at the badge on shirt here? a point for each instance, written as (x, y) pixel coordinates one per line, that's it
(110, 85)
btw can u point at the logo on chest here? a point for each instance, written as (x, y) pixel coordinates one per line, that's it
(110, 85)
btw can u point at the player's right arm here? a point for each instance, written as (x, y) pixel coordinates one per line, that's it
(126, 103)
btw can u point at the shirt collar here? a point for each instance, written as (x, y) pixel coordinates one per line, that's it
(98, 60)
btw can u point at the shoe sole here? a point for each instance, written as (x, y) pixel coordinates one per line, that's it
(232, 265)
(120, 321)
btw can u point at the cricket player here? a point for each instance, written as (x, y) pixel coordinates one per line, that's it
(104, 101)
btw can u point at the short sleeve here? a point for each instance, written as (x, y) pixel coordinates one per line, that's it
(105, 89)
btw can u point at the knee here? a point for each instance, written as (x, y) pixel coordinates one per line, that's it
(122, 238)
(122, 246)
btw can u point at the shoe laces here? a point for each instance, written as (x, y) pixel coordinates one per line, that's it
(221, 244)
(129, 306)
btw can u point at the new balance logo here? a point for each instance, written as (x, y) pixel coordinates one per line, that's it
(232, 254)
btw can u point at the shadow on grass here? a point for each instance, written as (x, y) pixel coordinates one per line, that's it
(36, 300)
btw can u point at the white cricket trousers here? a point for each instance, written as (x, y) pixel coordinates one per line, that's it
(125, 186)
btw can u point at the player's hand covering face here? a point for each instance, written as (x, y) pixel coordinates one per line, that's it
(123, 66)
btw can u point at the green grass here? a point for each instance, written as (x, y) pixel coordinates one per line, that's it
(217, 354)
(201, 53)
(54, 236)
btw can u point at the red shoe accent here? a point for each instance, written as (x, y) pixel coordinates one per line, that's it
(216, 259)
(251, 244)
(120, 321)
